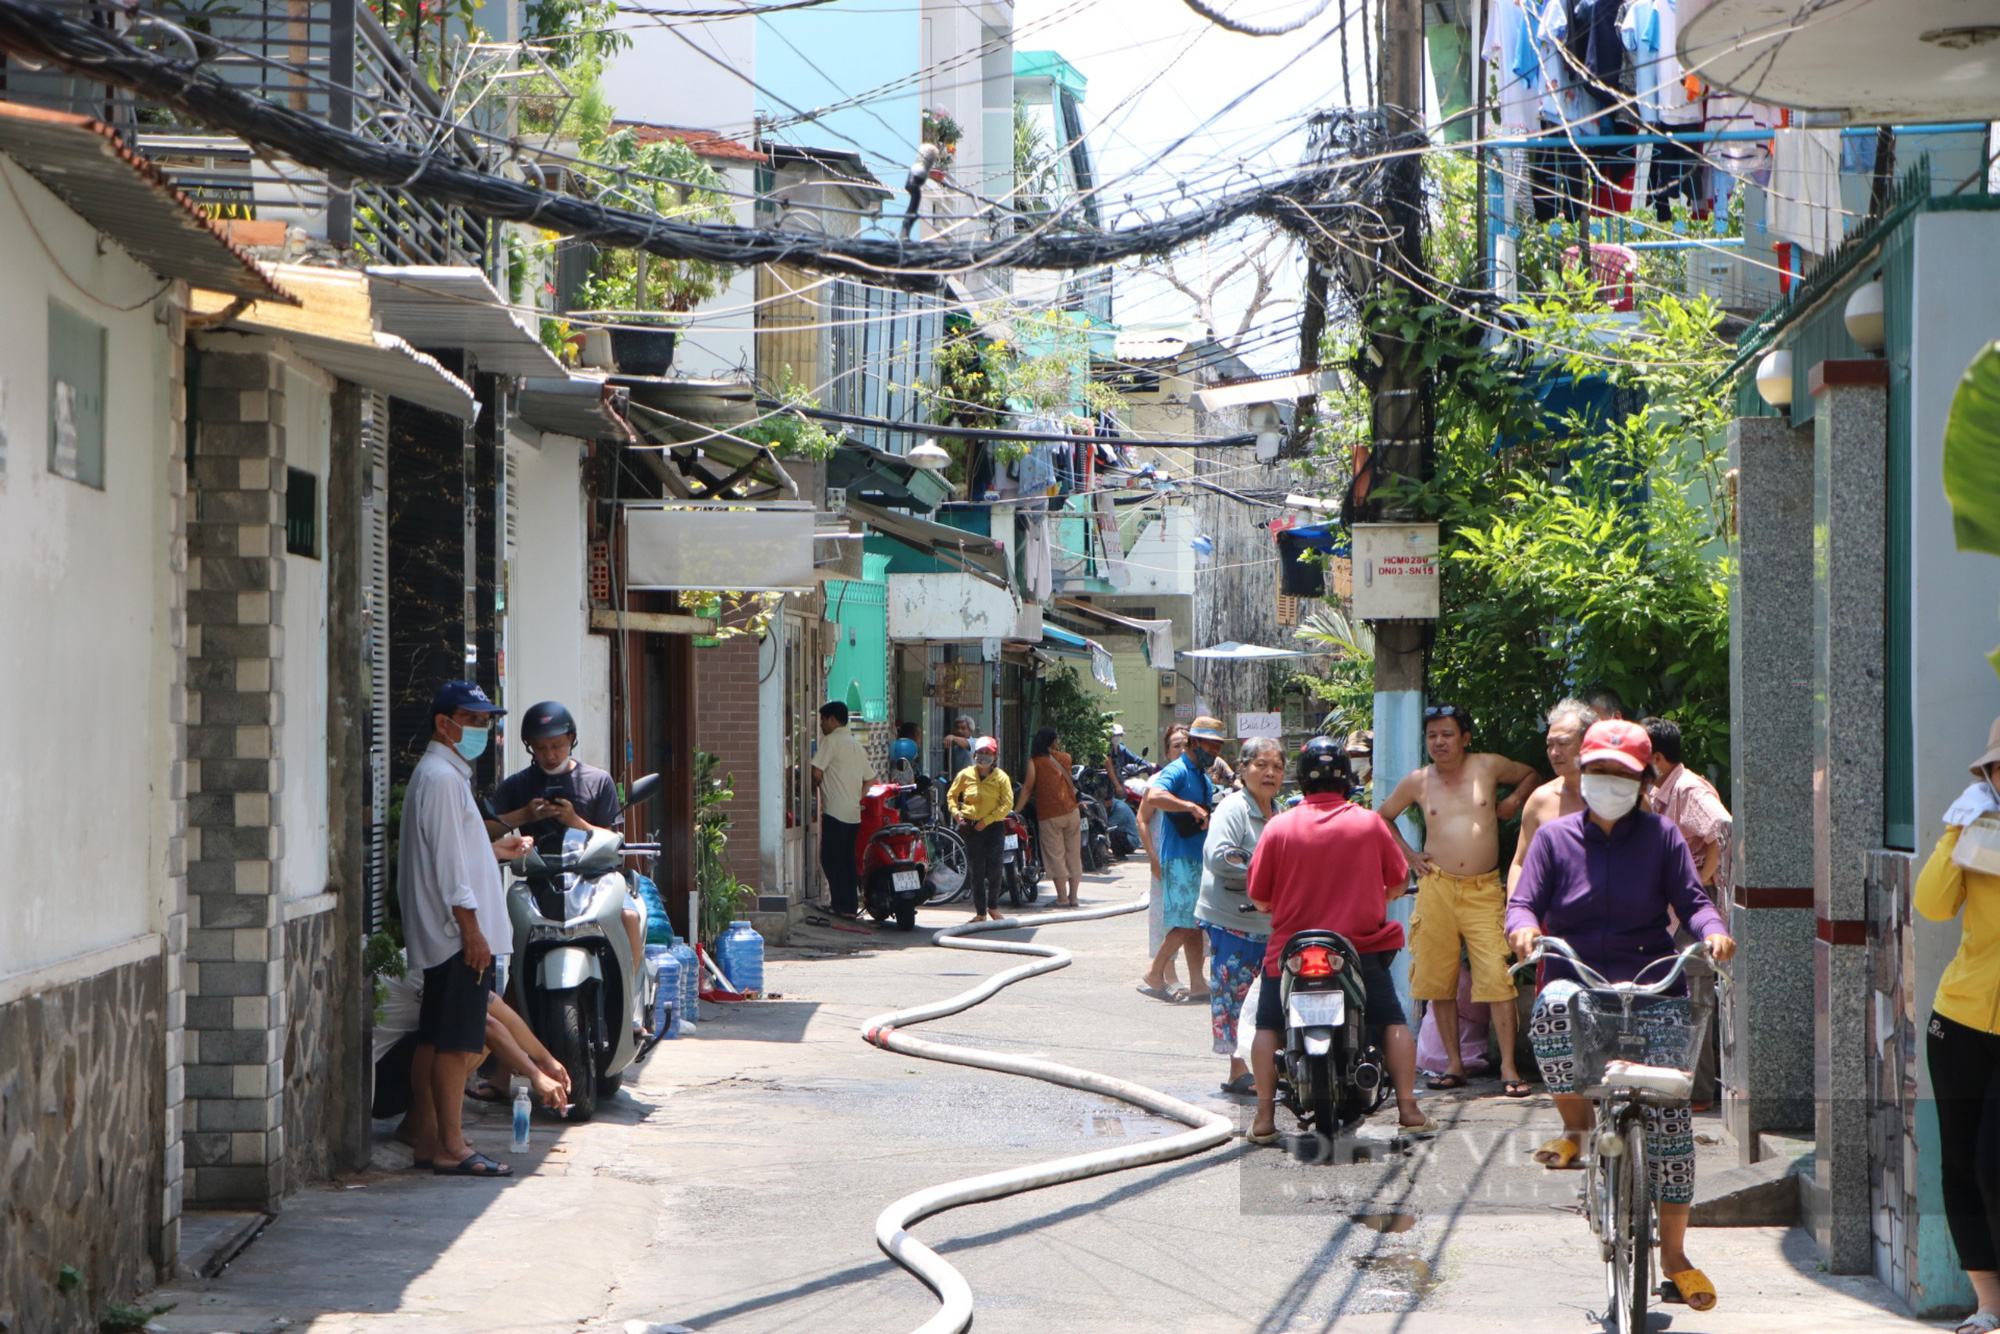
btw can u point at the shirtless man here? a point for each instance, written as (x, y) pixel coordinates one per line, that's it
(1461, 895)
(1567, 722)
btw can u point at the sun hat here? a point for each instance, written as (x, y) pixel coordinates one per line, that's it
(1206, 728)
(1992, 754)
(985, 743)
(1623, 743)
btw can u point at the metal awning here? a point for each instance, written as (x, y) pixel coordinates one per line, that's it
(867, 473)
(330, 326)
(449, 306)
(582, 405)
(1062, 641)
(129, 199)
(686, 440)
(982, 555)
(1159, 633)
(1231, 651)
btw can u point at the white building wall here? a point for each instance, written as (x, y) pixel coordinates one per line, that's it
(719, 341)
(86, 654)
(551, 652)
(659, 79)
(308, 419)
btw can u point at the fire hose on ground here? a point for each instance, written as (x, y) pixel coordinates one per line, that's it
(1206, 1129)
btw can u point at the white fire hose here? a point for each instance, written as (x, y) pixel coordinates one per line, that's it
(1207, 1129)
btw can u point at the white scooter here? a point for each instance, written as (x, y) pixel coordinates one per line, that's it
(579, 984)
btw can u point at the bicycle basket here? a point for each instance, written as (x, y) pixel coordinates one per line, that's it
(917, 808)
(1651, 1047)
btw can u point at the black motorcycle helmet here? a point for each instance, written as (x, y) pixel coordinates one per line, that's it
(1323, 766)
(541, 721)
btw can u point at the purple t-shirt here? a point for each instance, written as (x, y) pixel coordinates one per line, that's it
(1607, 895)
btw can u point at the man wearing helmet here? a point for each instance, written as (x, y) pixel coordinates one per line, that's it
(558, 792)
(1330, 865)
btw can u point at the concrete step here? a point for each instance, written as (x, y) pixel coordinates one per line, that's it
(1777, 1144)
(1764, 1194)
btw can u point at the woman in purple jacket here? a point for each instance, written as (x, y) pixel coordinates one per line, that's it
(1603, 880)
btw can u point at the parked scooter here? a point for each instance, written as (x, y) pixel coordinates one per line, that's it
(1331, 1071)
(890, 854)
(1020, 867)
(1098, 851)
(580, 986)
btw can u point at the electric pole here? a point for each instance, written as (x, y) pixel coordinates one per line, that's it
(1399, 411)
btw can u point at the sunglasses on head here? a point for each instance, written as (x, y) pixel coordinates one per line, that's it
(1451, 711)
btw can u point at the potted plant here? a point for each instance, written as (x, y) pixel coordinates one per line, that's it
(940, 129)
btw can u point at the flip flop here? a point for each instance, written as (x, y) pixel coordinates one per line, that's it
(1429, 1127)
(1981, 1322)
(484, 1090)
(1261, 1141)
(478, 1165)
(1559, 1155)
(1442, 1082)
(1174, 997)
(1197, 997)
(1241, 1086)
(1516, 1088)
(1692, 1288)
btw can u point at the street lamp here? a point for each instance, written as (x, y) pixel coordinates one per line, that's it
(1863, 316)
(1774, 378)
(930, 456)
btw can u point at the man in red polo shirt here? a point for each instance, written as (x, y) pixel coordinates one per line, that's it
(1330, 865)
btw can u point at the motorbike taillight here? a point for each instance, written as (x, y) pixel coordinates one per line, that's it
(1317, 961)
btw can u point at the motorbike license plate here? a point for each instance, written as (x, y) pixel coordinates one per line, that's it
(1012, 843)
(1318, 1009)
(906, 882)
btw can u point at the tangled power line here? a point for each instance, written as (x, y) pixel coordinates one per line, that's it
(1330, 196)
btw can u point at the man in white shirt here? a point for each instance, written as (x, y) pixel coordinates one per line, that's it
(454, 920)
(840, 772)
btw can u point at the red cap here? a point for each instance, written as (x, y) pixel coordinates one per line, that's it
(1623, 743)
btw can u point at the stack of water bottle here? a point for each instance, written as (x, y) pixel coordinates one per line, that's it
(676, 988)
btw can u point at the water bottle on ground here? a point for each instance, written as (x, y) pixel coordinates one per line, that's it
(520, 1118)
(741, 954)
(667, 1014)
(690, 983)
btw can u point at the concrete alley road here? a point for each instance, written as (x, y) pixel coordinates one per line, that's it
(735, 1185)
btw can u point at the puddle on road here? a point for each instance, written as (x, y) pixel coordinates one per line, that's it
(1401, 1274)
(1387, 1222)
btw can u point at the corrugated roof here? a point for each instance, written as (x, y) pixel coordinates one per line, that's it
(449, 306)
(129, 199)
(705, 143)
(583, 406)
(332, 327)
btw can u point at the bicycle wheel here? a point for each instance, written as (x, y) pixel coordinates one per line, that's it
(1630, 1210)
(946, 851)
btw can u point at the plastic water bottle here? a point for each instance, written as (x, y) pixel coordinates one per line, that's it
(690, 984)
(742, 957)
(666, 991)
(521, 1119)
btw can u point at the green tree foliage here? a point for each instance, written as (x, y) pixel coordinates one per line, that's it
(1575, 552)
(1077, 713)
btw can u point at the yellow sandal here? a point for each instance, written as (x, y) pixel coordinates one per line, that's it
(1691, 1286)
(1559, 1154)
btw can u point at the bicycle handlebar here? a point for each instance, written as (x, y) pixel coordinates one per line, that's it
(1596, 981)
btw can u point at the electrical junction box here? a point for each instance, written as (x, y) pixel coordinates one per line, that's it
(1395, 571)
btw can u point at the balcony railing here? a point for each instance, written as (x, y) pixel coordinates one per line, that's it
(330, 59)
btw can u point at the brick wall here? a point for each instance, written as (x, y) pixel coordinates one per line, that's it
(727, 724)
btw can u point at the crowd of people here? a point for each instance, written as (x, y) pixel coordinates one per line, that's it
(1618, 854)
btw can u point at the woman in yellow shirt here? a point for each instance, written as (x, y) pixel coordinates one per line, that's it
(1964, 1039)
(980, 798)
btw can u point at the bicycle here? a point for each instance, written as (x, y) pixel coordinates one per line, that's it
(943, 847)
(1631, 1053)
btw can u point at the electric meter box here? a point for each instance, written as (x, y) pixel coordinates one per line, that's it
(1395, 571)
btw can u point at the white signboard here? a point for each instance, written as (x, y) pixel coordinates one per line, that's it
(1395, 571)
(740, 549)
(1260, 724)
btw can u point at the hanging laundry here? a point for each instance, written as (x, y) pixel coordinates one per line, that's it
(1036, 470)
(1804, 205)
(1510, 41)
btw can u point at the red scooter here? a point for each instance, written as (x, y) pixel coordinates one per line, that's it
(890, 856)
(1020, 862)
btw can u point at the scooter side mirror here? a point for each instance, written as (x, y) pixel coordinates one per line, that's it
(642, 789)
(486, 811)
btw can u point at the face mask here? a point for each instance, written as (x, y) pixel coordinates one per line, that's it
(1609, 796)
(471, 743)
(560, 768)
(1361, 770)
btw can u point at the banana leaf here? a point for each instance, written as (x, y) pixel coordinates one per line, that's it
(1972, 459)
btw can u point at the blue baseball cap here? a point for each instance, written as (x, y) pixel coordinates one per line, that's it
(455, 695)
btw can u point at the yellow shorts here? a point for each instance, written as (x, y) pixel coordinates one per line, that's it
(1451, 908)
